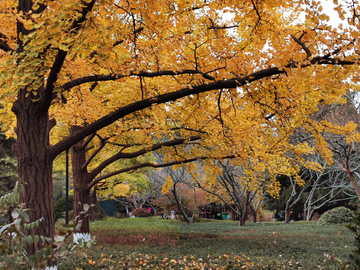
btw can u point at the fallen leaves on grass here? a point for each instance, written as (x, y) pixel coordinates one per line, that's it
(136, 240)
(145, 261)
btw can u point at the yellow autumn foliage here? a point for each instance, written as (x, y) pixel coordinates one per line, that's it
(141, 73)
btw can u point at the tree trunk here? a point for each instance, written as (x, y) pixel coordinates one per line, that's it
(93, 210)
(354, 183)
(35, 165)
(81, 197)
(309, 214)
(242, 219)
(181, 209)
(252, 211)
(242, 211)
(80, 182)
(287, 214)
(308, 209)
(134, 202)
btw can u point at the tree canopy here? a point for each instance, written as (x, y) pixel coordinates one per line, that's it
(235, 78)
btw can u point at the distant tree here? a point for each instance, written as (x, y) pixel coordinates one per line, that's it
(320, 188)
(327, 188)
(177, 186)
(343, 147)
(235, 189)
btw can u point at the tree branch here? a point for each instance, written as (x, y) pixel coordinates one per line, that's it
(93, 155)
(112, 77)
(3, 43)
(5, 47)
(302, 44)
(121, 155)
(139, 166)
(60, 58)
(219, 196)
(88, 140)
(191, 90)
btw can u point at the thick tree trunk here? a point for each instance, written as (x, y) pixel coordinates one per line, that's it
(81, 197)
(242, 213)
(80, 182)
(35, 165)
(93, 210)
(241, 221)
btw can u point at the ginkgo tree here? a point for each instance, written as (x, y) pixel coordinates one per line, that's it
(112, 164)
(127, 61)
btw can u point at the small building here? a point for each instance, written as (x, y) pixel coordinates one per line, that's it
(109, 207)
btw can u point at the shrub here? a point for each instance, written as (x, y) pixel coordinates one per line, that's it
(13, 238)
(337, 215)
(354, 226)
(60, 207)
(100, 213)
(140, 212)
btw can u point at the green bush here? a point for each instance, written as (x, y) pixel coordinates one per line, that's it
(14, 238)
(60, 205)
(354, 227)
(100, 213)
(337, 215)
(140, 212)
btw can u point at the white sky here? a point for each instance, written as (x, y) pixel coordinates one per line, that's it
(328, 8)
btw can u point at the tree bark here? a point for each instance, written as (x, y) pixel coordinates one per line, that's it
(287, 214)
(81, 197)
(134, 202)
(242, 212)
(35, 165)
(254, 212)
(354, 183)
(93, 210)
(181, 209)
(80, 182)
(308, 209)
(242, 220)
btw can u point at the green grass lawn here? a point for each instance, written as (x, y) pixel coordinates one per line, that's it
(154, 243)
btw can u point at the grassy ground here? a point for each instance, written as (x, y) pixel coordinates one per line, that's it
(153, 243)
